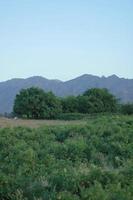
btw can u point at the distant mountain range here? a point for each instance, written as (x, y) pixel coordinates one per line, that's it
(122, 88)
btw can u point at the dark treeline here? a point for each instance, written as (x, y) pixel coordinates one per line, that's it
(35, 103)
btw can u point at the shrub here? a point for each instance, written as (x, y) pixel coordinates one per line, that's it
(86, 162)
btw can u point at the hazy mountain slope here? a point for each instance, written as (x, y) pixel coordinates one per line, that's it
(122, 88)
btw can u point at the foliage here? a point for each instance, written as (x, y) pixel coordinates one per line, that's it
(73, 162)
(127, 108)
(34, 103)
(92, 101)
(69, 104)
(100, 100)
(83, 104)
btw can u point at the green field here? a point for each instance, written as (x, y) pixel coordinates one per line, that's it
(58, 160)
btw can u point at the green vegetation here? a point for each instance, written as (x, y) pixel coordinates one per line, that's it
(34, 103)
(74, 116)
(100, 100)
(70, 104)
(127, 108)
(73, 162)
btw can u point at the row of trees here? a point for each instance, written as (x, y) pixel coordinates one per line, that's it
(35, 103)
(92, 101)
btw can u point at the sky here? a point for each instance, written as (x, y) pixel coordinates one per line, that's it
(60, 39)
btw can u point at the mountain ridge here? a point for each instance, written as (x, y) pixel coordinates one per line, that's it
(122, 88)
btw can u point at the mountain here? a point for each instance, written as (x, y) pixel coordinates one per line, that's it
(122, 88)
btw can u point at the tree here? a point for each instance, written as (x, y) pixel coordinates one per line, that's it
(70, 104)
(127, 108)
(34, 103)
(99, 100)
(53, 108)
(83, 104)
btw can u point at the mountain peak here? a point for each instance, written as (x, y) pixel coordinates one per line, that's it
(113, 76)
(87, 75)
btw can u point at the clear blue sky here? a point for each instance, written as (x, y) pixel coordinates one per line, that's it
(64, 39)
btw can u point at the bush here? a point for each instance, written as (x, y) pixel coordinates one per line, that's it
(84, 162)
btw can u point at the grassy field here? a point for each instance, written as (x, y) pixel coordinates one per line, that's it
(5, 122)
(79, 160)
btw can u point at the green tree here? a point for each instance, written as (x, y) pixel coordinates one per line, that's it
(83, 104)
(127, 108)
(70, 104)
(97, 100)
(34, 103)
(53, 106)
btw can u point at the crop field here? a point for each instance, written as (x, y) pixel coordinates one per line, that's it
(58, 160)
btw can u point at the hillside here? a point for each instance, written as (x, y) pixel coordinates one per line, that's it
(122, 88)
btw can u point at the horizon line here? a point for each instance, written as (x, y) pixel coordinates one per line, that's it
(56, 79)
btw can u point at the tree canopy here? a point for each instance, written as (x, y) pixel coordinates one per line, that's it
(127, 108)
(36, 104)
(100, 100)
(70, 104)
